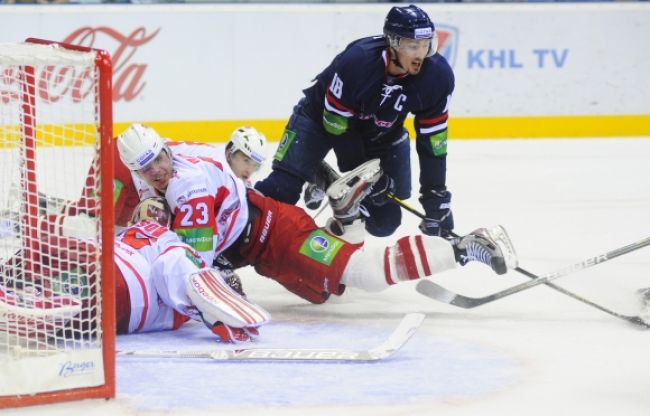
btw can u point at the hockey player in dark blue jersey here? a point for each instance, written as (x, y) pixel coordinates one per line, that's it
(357, 107)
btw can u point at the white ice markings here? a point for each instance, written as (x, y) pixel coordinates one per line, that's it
(426, 369)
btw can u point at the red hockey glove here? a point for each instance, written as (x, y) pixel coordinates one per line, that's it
(229, 334)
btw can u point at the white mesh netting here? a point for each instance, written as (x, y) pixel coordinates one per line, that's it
(49, 278)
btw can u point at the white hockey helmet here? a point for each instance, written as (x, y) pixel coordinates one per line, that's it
(138, 146)
(250, 142)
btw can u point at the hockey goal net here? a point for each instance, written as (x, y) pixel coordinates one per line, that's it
(57, 307)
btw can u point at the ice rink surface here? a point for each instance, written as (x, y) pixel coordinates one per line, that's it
(538, 352)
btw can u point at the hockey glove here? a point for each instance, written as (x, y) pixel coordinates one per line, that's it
(378, 192)
(438, 221)
(377, 146)
(227, 272)
(229, 334)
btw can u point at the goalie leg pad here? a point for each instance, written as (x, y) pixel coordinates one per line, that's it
(218, 302)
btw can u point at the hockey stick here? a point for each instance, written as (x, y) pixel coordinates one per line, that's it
(407, 327)
(633, 319)
(320, 211)
(14, 304)
(406, 206)
(432, 290)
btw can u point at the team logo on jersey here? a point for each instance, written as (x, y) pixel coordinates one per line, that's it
(334, 123)
(194, 258)
(439, 143)
(196, 191)
(319, 244)
(200, 239)
(321, 247)
(447, 42)
(387, 90)
(285, 142)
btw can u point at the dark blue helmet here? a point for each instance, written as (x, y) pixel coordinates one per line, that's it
(408, 22)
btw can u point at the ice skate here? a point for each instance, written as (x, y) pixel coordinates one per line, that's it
(315, 192)
(346, 193)
(490, 246)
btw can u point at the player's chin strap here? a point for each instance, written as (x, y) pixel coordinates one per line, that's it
(525, 272)
(394, 57)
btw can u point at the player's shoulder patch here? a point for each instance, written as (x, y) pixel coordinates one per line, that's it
(321, 247)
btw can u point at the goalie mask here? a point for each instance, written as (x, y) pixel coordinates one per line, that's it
(153, 209)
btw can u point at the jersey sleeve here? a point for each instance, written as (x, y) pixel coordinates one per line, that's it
(431, 125)
(342, 80)
(125, 195)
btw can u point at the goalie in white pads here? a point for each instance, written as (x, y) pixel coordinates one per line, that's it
(161, 282)
(217, 215)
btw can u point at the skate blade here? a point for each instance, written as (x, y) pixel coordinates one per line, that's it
(500, 236)
(368, 173)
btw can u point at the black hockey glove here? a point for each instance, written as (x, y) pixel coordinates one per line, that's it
(378, 193)
(227, 272)
(377, 146)
(438, 221)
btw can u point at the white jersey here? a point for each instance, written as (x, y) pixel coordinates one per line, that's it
(208, 201)
(155, 265)
(194, 149)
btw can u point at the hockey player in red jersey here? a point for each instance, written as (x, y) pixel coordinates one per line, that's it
(216, 214)
(245, 143)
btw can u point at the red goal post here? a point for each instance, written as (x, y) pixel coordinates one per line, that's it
(57, 300)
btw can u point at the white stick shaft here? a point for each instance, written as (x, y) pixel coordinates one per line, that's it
(404, 331)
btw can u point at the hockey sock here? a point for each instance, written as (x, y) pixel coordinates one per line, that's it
(411, 258)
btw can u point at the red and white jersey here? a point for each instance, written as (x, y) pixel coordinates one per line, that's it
(208, 202)
(192, 149)
(196, 149)
(155, 265)
(125, 193)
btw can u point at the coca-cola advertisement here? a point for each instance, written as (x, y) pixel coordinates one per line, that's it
(218, 63)
(186, 64)
(128, 73)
